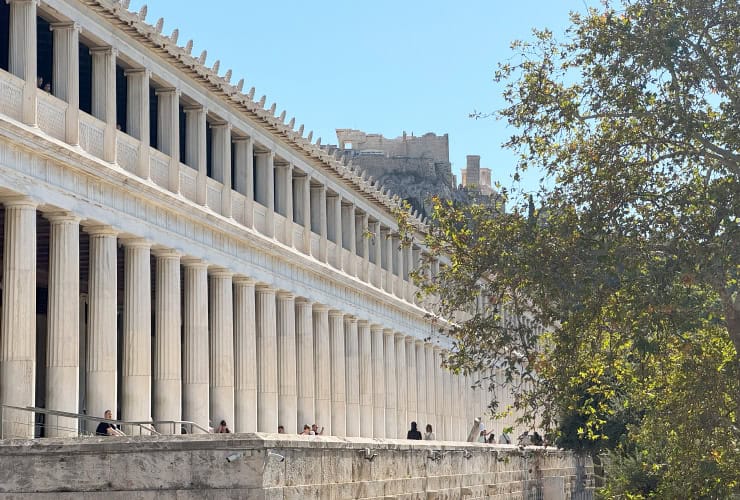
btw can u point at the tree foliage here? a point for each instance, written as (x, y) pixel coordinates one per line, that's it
(610, 296)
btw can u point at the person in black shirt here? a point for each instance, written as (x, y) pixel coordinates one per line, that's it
(414, 432)
(108, 429)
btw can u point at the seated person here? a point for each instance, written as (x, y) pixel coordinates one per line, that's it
(106, 428)
(222, 428)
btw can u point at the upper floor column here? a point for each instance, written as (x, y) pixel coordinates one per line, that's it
(137, 115)
(377, 279)
(303, 210)
(22, 60)
(363, 244)
(284, 200)
(195, 148)
(319, 218)
(265, 188)
(221, 161)
(104, 97)
(348, 240)
(168, 132)
(66, 79)
(244, 175)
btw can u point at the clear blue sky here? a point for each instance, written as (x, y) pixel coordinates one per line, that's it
(381, 66)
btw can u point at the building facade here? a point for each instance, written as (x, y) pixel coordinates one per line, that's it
(173, 250)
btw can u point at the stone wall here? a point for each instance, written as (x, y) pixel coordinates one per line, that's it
(429, 145)
(269, 466)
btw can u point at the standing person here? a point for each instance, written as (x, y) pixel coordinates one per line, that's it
(306, 430)
(429, 434)
(504, 438)
(107, 428)
(222, 428)
(413, 432)
(316, 431)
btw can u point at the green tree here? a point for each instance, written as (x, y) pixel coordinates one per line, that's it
(628, 253)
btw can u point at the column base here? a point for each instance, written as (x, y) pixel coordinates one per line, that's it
(167, 404)
(195, 405)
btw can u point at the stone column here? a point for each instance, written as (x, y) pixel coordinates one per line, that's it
(305, 362)
(221, 163)
(102, 336)
(137, 115)
(267, 376)
(63, 323)
(168, 132)
(195, 148)
(221, 320)
(366, 379)
(421, 382)
(338, 389)
(136, 368)
(377, 280)
(402, 420)
(322, 363)
(167, 342)
(439, 393)
(288, 186)
(244, 175)
(391, 393)
(378, 381)
(364, 241)
(447, 390)
(411, 381)
(391, 261)
(104, 97)
(22, 56)
(195, 395)
(348, 233)
(430, 386)
(306, 208)
(270, 193)
(287, 396)
(322, 224)
(352, 376)
(66, 80)
(338, 230)
(245, 356)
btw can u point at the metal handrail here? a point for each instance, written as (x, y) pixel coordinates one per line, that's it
(143, 427)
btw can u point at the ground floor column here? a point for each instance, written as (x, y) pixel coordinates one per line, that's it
(267, 379)
(221, 322)
(431, 390)
(411, 381)
(63, 322)
(421, 383)
(245, 357)
(322, 362)
(102, 337)
(402, 424)
(338, 389)
(167, 342)
(378, 381)
(305, 361)
(439, 393)
(195, 390)
(352, 375)
(287, 397)
(366, 379)
(391, 416)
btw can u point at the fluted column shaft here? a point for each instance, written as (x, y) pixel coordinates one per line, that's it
(391, 394)
(401, 386)
(167, 346)
(195, 371)
(305, 362)
(63, 323)
(104, 97)
(439, 393)
(244, 175)
(352, 375)
(338, 388)
(137, 115)
(221, 163)
(306, 209)
(322, 363)
(378, 381)
(245, 357)
(18, 334)
(66, 69)
(366, 379)
(287, 397)
(267, 376)
(322, 224)
(364, 243)
(102, 336)
(447, 390)
(22, 57)
(338, 229)
(168, 132)
(288, 194)
(421, 385)
(136, 368)
(221, 320)
(431, 389)
(195, 148)
(411, 381)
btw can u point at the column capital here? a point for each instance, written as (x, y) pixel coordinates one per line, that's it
(304, 302)
(285, 295)
(193, 262)
(220, 124)
(318, 307)
(135, 242)
(363, 322)
(388, 332)
(138, 71)
(65, 25)
(375, 327)
(419, 343)
(239, 138)
(166, 253)
(61, 216)
(167, 91)
(335, 313)
(18, 201)
(351, 318)
(99, 230)
(400, 335)
(194, 108)
(219, 272)
(264, 288)
(107, 49)
(410, 340)
(243, 280)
